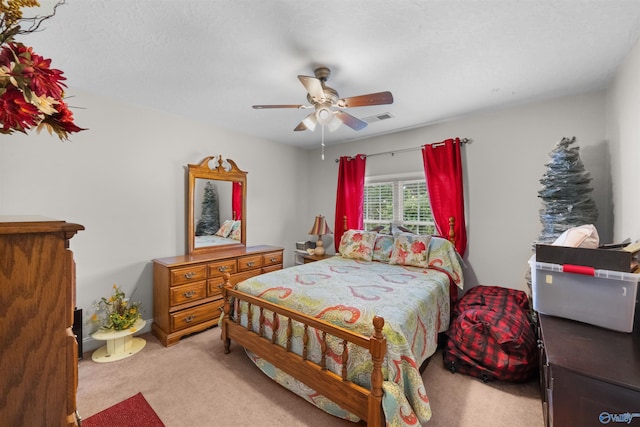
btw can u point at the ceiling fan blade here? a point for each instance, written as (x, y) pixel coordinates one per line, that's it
(261, 107)
(377, 98)
(353, 122)
(308, 123)
(313, 86)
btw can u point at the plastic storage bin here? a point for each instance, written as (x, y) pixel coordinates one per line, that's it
(606, 299)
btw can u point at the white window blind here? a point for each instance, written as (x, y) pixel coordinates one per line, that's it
(398, 202)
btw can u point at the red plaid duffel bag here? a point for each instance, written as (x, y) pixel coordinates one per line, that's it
(491, 335)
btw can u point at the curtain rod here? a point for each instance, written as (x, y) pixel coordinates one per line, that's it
(403, 150)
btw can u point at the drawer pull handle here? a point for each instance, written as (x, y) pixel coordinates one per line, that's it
(222, 269)
(250, 264)
(189, 319)
(274, 259)
(189, 294)
(189, 275)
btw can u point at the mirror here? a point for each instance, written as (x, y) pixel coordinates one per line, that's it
(216, 209)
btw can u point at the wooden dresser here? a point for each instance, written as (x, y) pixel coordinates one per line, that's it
(589, 376)
(187, 289)
(38, 350)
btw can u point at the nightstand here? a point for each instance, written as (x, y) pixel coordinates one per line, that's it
(306, 259)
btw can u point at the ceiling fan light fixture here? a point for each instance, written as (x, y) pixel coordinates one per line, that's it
(310, 122)
(334, 123)
(324, 115)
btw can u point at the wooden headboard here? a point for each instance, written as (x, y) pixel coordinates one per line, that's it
(451, 235)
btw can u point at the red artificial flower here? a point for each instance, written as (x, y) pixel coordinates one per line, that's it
(43, 80)
(27, 77)
(62, 122)
(16, 113)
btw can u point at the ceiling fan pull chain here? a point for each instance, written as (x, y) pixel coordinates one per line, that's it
(322, 142)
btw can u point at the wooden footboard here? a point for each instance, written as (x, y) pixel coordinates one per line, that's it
(364, 403)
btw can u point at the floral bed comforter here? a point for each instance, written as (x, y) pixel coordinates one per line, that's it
(413, 301)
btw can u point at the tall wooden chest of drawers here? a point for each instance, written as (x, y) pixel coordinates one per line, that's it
(38, 350)
(187, 294)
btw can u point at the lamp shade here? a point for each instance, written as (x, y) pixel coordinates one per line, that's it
(320, 226)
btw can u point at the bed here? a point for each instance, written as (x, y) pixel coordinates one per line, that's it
(213, 240)
(228, 233)
(351, 331)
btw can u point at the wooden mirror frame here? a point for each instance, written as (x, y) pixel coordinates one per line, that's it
(230, 173)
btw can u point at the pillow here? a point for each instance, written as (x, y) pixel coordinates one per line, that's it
(357, 244)
(410, 249)
(225, 229)
(382, 248)
(236, 230)
(584, 236)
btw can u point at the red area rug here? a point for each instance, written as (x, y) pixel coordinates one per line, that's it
(132, 412)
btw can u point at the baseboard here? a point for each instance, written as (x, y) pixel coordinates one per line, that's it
(89, 344)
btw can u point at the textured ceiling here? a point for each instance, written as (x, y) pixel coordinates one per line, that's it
(211, 60)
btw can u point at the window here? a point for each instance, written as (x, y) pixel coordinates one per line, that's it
(401, 202)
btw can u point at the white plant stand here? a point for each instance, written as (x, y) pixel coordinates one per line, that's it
(120, 344)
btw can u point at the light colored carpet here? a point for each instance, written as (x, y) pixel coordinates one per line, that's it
(195, 384)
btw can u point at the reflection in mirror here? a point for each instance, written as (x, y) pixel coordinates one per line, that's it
(215, 200)
(216, 207)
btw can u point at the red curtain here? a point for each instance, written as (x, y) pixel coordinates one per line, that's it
(236, 200)
(350, 197)
(443, 171)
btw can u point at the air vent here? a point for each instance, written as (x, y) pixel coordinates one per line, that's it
(378, 117)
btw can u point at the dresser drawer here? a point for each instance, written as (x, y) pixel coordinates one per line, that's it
(219, 268)
(249, 262)
(189, 292)
(271, 268)
(214, 285)
(190, 274)
(193, 316)
(271, 258)
(240, 277)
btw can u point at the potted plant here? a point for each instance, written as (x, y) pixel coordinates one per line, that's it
(116, 313)
(117, 319)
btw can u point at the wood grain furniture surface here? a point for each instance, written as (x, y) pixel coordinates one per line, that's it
(187, 289)
(589, 376)
(39, 356)
(313, 258)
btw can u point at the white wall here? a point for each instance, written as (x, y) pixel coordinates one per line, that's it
(124, 179)
(623, 130)
(503, 166)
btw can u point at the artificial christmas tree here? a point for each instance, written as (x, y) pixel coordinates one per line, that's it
(209, 221)
(566, 194)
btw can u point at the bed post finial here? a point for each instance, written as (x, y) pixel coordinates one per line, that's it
(452, 233)
(344, 223)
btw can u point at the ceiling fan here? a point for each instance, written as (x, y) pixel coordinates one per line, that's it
(328, 106)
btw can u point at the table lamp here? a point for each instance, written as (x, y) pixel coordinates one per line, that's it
(319, 228)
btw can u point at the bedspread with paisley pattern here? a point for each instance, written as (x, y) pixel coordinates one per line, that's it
(413, 301)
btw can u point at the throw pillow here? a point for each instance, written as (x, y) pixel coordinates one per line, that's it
(410, 249)
(357, 244)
